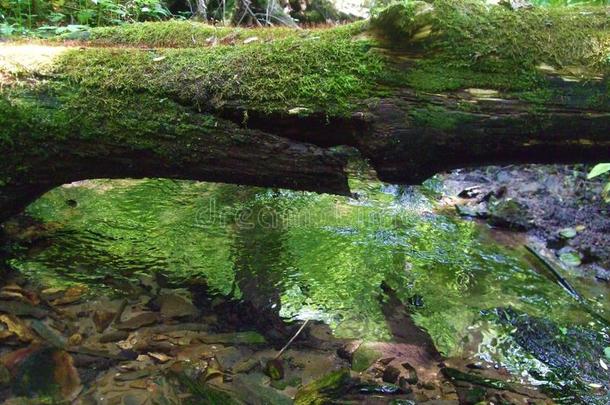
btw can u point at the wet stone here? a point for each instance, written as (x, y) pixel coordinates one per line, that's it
(47, 372)
(133, 375)
(135, 398)
(509, 213)
(12, 327)
(102, 319)
(251, 338)
(138, 321)
(601, 273)
(391, 374)
(411, 373)
(49, 294)
(70, 296)
(275, 369)
(5, 376)
(113, 336)
(364, 357)
(177, 305)
(22, 309)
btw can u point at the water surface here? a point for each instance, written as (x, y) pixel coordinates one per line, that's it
(303, 255)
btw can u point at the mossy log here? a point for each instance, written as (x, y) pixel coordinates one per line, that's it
(418, 89)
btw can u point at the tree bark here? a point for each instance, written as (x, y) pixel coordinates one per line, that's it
(196, 112)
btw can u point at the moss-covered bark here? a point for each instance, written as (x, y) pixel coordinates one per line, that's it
(420, 88)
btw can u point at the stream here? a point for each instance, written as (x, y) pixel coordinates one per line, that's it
(388, 268)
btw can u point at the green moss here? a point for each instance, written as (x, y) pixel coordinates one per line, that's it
(33, 120)
(470, 33)
(189, 34)
(319, 73)
(437, 117)
(466, 43)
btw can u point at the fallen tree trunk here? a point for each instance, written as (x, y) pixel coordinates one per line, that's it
(417, 90)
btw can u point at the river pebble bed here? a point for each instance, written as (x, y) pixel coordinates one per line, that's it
(457, 292)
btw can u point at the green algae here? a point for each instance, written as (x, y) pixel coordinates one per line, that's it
(323, 390)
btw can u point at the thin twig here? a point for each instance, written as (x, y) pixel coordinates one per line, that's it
(292, 340)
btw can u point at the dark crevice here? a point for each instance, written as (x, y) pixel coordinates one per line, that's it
(315, 128)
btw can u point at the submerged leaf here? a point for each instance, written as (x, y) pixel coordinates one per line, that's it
(570, 259)
(599, 170)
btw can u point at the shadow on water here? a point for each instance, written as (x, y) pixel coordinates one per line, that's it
(382, 267)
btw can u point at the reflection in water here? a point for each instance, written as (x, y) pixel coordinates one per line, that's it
(300, 255)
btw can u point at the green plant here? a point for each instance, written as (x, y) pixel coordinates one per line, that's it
(599, 170)
(38, 17)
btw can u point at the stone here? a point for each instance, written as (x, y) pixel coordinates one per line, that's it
(47, 372)
(509, 213)
(601, 273)
(275, 369)
(49, 335)
(346, 351)
(49, 294)
(246, 365)
(15, 328)
(471, 192)
(15, 292)
(5, 376)
(411, 373)
(75, 340)
(22, 309)
(465, 211)
(249, 337)
(133, 375)
(102, 319)
(232, 355)
(364, 357)
(113, 336)
(391, 374)
(175, 305)
(567, 233)
(569, 256)
(138, 321)
(70, 296)
(253, 389)
(159, 357)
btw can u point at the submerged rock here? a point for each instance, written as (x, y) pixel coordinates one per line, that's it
(102, 319)
(176, 305)
(46, 372)
(275, 369)
(70, 296)
(572, 354)
(364, 357)
(509, 213)
(248, 338)
(13, 328)
(252, 389)
(138, 321)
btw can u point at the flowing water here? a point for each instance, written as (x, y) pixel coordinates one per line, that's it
(303, 255)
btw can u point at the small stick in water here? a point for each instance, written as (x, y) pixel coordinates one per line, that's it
(291, 340)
